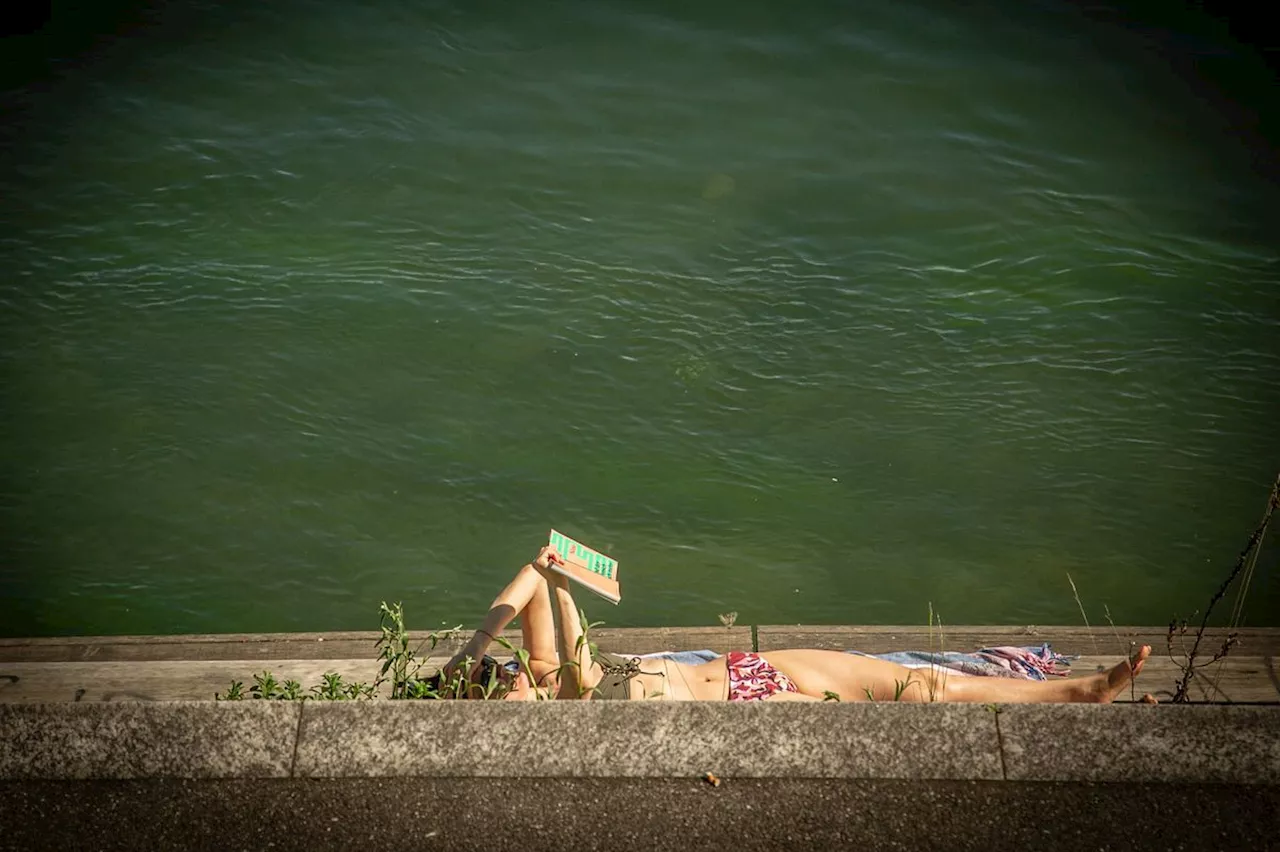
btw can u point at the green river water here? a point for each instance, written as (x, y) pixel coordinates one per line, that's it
(814, 312)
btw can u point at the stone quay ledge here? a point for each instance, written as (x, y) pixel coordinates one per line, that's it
(122, 708)
(114, 741)
(1218, 744)
(195, 667)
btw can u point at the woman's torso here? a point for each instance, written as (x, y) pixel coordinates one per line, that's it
(814, 673)
(667, 680)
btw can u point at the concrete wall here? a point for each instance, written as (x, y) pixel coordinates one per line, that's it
(252, 739)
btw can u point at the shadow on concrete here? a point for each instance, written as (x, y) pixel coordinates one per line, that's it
(660, 814)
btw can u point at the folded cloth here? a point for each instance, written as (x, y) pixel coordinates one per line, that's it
(688, 658)
(1030, 662)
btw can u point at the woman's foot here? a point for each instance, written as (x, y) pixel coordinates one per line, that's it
(1104, 688)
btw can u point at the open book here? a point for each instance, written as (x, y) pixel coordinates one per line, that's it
(594, 570)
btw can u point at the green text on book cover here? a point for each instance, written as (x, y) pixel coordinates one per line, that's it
(596, 563)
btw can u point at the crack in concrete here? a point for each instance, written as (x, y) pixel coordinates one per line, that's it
(297, 738)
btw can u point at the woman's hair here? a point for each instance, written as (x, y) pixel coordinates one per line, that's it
(486, 685)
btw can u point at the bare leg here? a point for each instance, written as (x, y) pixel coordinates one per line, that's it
(538, 627)
(528, 597)
(1095, 689)
(856, 678)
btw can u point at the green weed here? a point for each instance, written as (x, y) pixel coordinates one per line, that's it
(937, 682)
(234, 693)
(267, 688)
(1087, 627)
(899, 687)
(264, 686)
(400, 662)
(333, 688)
(401, 666)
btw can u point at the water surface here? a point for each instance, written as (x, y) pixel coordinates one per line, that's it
(816, 316)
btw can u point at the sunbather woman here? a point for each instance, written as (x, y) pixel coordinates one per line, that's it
(561, 666)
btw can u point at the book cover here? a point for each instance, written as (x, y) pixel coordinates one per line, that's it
(591, 568)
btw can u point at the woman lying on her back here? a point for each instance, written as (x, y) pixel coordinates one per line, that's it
(792, 675)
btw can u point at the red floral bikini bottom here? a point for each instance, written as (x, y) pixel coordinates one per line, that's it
(753, 679)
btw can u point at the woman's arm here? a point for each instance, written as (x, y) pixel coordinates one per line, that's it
(527, 596)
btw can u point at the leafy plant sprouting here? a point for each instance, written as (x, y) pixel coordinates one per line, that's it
(401, 662)
(828, 695)
(393, 650)
(265, 686)
(583, 640)
(402, 668)
(235, 692)
(333, 688)
(899, 687)
(330, 688)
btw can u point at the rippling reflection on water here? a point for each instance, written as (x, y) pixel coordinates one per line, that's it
(819, 318)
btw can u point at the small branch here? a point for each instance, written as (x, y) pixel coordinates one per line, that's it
(1092, 638)
(1188, 668)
